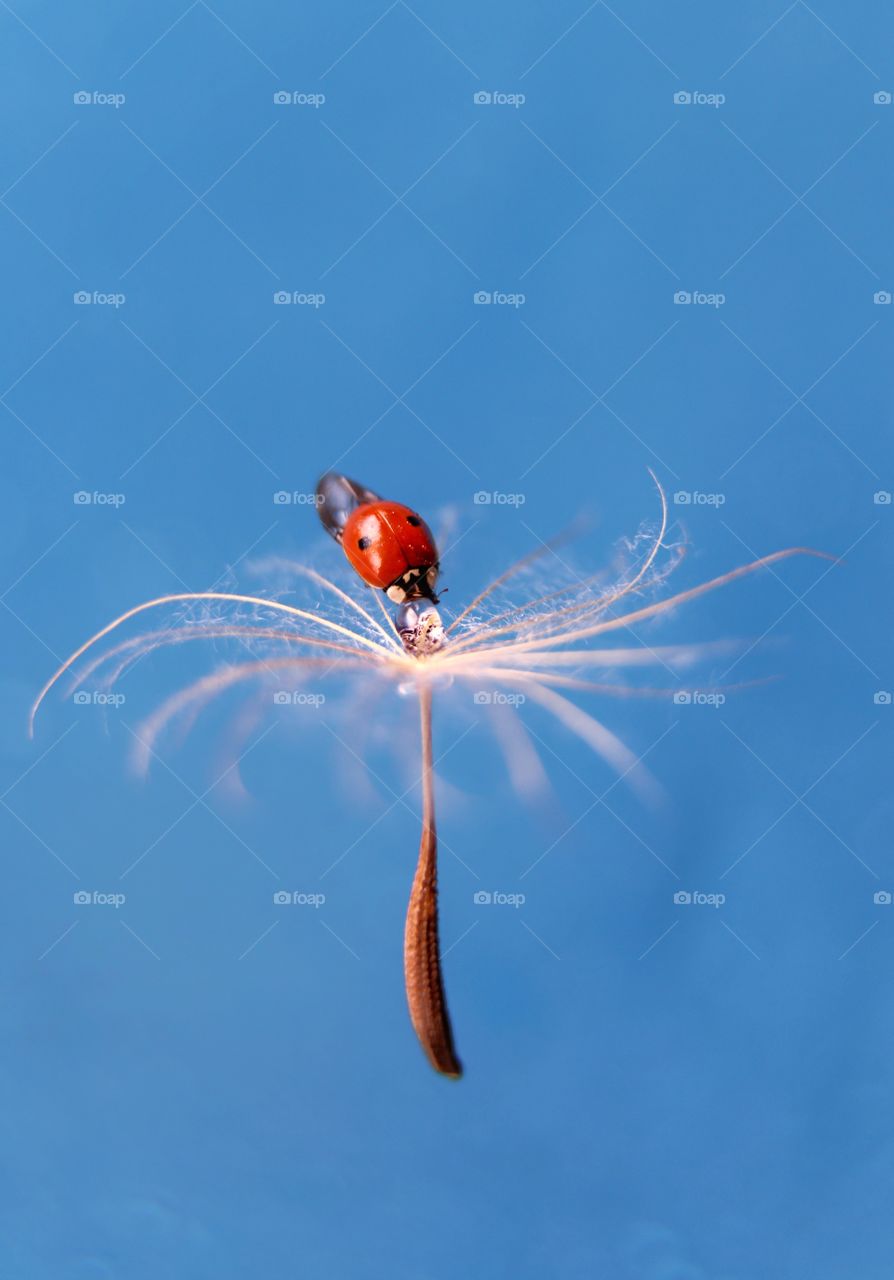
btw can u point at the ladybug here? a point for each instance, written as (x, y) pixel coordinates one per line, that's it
(389, 544)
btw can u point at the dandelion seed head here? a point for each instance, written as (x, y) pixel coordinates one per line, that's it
(536, 632)
(532, 636)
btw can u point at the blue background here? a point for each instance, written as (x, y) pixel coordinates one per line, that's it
(201, 1084)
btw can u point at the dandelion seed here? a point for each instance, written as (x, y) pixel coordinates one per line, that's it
(538, 647)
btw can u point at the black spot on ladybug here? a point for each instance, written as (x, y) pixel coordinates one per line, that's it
(363, 543)
(414, 520)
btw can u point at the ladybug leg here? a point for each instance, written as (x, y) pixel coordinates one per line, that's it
(428, 586)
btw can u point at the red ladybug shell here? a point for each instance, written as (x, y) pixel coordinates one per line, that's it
(385, 541)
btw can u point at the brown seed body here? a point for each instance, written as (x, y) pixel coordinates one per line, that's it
(422, 960)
